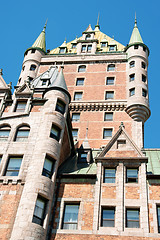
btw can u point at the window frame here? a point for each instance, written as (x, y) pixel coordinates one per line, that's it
(112, 48)
(144, 92)
(75, 119)
(18, 109)
(16, 169)
(143, 65)
(110, 79)
(75, 136)
(32, 67)
(107, 137)
(59, 108)
(130, 179)
(131, 92)
(128, 221)
(107, 220)
(109, 92)
(82, 68)
(109, 177)
(111, 67)
(4, 128)
(132, 77)
(108, 119)
(69, 222)
(80, 79)
(54, 136)
(24, 128)
(144, 78)
(46, 172)
(35, 217)
(78, 99)
(132, 64)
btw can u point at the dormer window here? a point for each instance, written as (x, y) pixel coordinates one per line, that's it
(112, 48)
(103, 44)
(88, 36)
(74, 45)
(44, 82)
(62, 50)
(84, 47)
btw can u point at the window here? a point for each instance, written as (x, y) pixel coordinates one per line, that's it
(78, 96)
(44, 82)
(132, 175)
(30, 78)
(22, 134)
(48, 167)
(109, 95)
(109, 175)
(132, 218)
(70, 217)
(62, 50)
(83, 157)
(108, 216)
(111, 67)
(108, 116)
(112, 48)
(13, 167)
(143, 78)
(74, 45)
(136, 46)
(75, 117)
(144, 49)
(89, 48)
(107, 133)
(158, 217)
(33, 67)
(84, 47)
(75, 133)
(144, 93)
(132, 77)
(4, 133)
(88, 36)
(33, 50)
(39, 211)
(121, 144)
(131, 92)
(132, 64)
(60, 106)
(110, 81)
(20, 106)
(80, 82)
(82, 68)
(143, 65)
(55, 132)
(103, 44)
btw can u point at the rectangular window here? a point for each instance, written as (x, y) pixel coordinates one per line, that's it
(74, 45)
(136, 46)
(110, 81)
(109, 95)
(78, 96)
(143, 65)
(70, 217)
(80, 82)
(75, 117)
(158, 217)
(108, 116)
(109, 175)
(4, 133)
(75, 133)
(132, 77)
(108, 216)
(55, 132)
(83, 157)
(60, 106)
(20, 106)
(62, 50)
(132, 218)
(0, 158)
(39, 211)
(13, 167)
(107, 133)
(131, 92)
(84, 47)
(103, 44)
(112, 48)
(144, 93)
(89, 48)
(48, 167)
(143, 78)
(132, 64)
(132, 175)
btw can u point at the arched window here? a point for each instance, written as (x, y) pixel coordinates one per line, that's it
(82, 68)
(32, 67)
(4, 132)
(111, 67)
(22, 133)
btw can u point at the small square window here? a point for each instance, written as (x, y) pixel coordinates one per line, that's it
(112, 48)
(131, 92)
(132, 175)
(88, 36)
(74, 45)
(132, 77)
(82, 68)
(70, 216)
(107, 133)
(80, 82)
(48, 167)
(60, 106)
(136, 46)
(83, 157)
(132, 218)
(110, 81)
(75, 133)
(109, 95)
(39, 211)
(158, 217)
(84, 47)
(108, 116)
(55, 132)
(103, 44)
(108, 217)
(144, 93)
(13, 167)
(144, 78)
(132, 64)
(62, 50)
(111, 67)
(78, 96)
(109, 175)
(143, 65)
(20, 106)
(75, 117)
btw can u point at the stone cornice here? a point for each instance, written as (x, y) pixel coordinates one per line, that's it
(98, 106)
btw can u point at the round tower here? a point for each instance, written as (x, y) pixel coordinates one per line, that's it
(137, 80)
(32, 58)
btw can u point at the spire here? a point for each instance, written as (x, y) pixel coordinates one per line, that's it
(135, 37)
(60, 81)
(97, 27)
(40, 41)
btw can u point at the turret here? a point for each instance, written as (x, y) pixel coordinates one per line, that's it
(137, 79)
(32, 58)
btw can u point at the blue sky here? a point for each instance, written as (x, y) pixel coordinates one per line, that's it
(22, 21)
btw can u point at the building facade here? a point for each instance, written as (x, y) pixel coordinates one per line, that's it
(73, 163)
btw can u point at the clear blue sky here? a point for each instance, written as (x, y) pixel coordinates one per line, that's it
(22, 21)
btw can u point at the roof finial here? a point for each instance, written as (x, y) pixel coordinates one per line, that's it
(98, 19)
(97, 27)
(1, 71)
(135, 21)
(44, 29)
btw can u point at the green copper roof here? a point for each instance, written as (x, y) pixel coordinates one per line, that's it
(40, 41)
(153, 165)
(135, 37)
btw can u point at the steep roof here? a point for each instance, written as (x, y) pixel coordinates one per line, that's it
(135, 37)
(41, 41)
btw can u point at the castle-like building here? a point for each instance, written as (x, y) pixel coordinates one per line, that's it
(72, 158)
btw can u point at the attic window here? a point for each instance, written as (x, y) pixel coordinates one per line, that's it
(103, 44)
(84, 47)
(33, 50)
(83, 157)
(88, 36)
(112, 48)
(44, 82)
(74, 45)
(121, 143)
(62, 50)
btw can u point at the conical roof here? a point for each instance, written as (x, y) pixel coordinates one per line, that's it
(60, 82)
(135, 37)
(41, 41)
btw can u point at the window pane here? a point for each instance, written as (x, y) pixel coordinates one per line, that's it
(70, 219)
(80, 82)
(13, 167)
(109, 175)
(108, 217)
(55, 132)
(48, 167)
(133, 218)
(109, 95)
(108, 117)
(20, 106)
(60, 106)
(78, 96)
(110, 81)
(111, 67)
(82, 69)
(75, 117)
(22, 135)
(132, 175)
(75, 133)
(107, 133)
(38, 216)
(132, 64)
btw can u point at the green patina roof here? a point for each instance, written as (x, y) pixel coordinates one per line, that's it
(153, 165)
(41, 41)
(135, 37)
